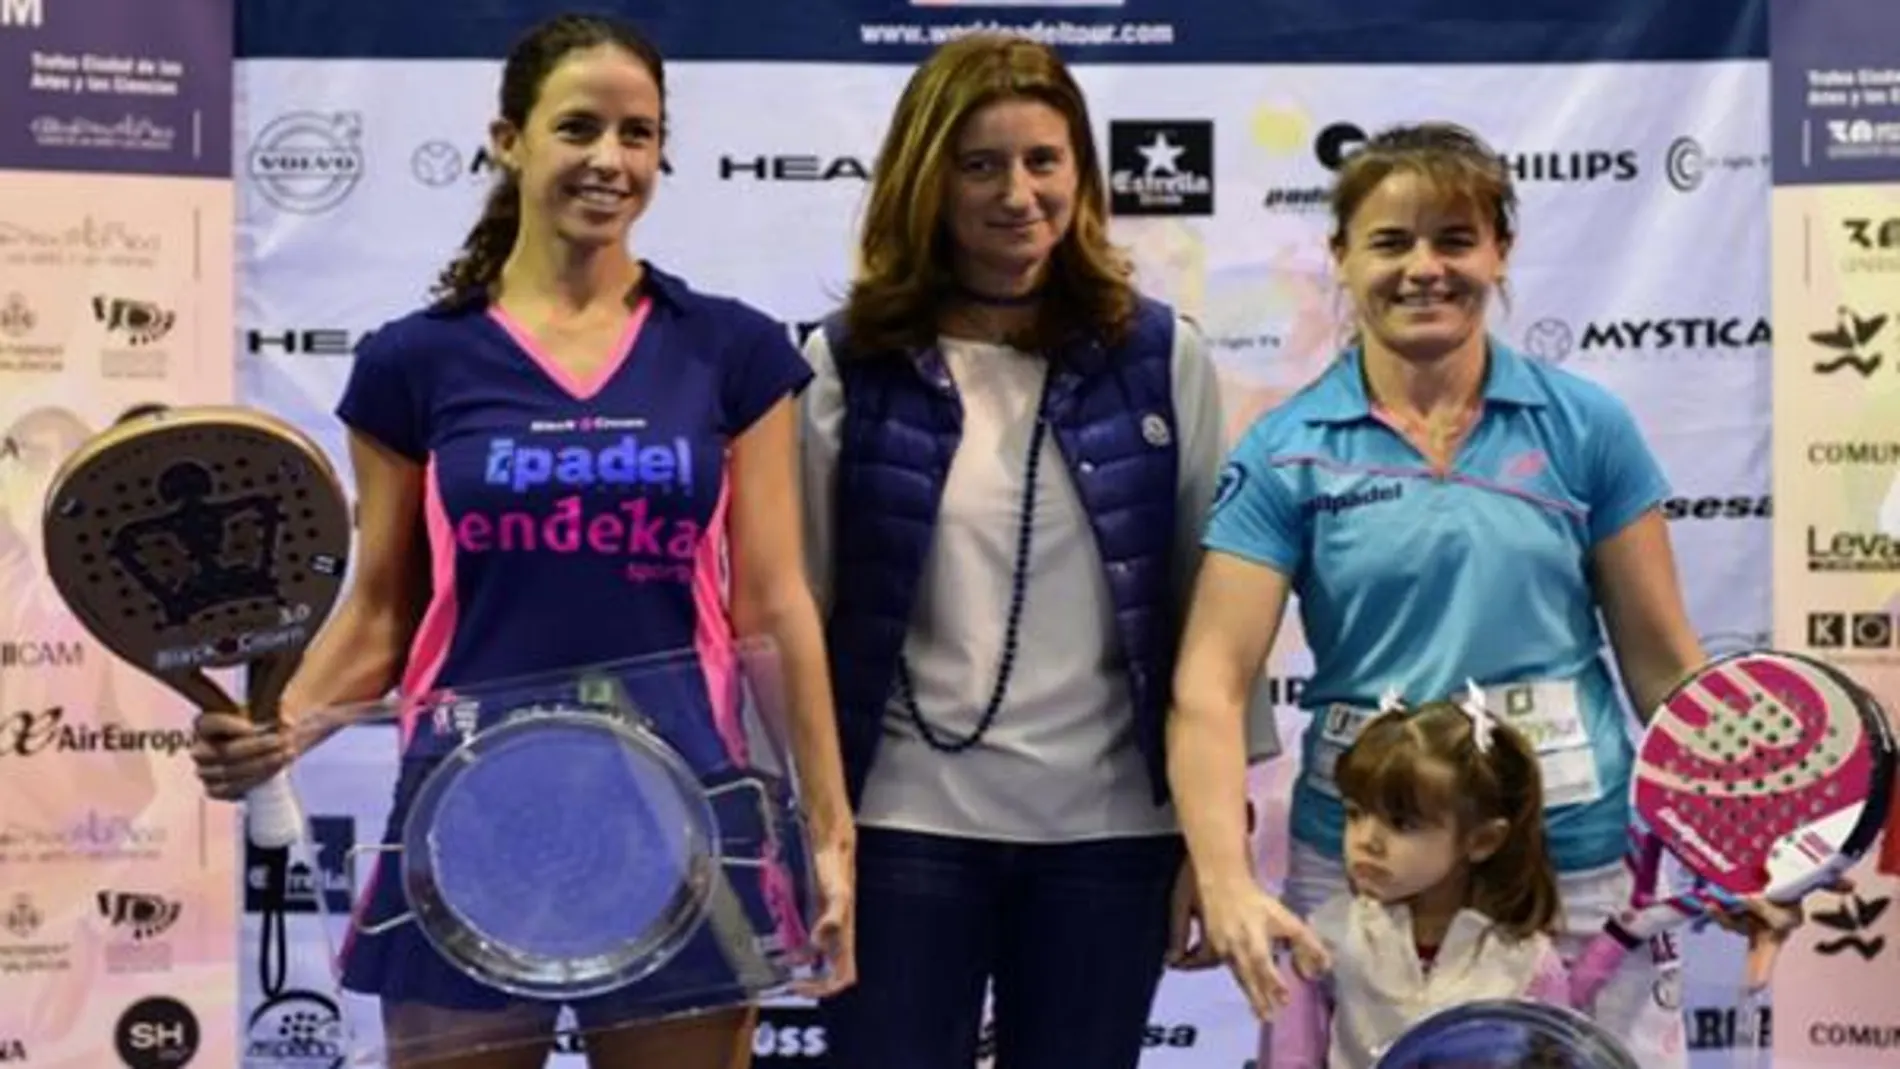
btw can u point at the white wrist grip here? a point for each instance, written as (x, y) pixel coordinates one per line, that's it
(275, 819)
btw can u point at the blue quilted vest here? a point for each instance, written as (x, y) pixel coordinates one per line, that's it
(1111, 413)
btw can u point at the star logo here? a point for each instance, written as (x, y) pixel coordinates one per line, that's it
(1160, 156)
(1161, 166)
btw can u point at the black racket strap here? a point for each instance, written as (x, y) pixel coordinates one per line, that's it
(273, 954)
(273, 938)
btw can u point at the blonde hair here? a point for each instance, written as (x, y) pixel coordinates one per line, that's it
(905, 278)
(1394, 771)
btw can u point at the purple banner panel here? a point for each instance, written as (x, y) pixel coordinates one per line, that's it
(116, 86)
(1835, 90)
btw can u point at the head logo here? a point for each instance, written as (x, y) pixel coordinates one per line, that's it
(157, 1033)
(1854, 920)
(1852, 343)
(1161, 167)
(306, 162)
(803, 168)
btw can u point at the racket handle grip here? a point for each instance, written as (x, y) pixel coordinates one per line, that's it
(1593, 968)
(1637, 927)
(272, 814)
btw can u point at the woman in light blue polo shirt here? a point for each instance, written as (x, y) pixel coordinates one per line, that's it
(1445, 509)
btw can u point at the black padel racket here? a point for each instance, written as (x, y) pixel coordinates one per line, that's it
(201, 538)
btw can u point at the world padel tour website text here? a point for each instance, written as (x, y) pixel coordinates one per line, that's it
(1041, 31)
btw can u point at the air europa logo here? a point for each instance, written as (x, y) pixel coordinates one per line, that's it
(27, 733)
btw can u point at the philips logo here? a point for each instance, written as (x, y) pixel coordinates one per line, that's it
(1336, 503)
(625, 463)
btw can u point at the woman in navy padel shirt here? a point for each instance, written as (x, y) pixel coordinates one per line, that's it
(581, 460)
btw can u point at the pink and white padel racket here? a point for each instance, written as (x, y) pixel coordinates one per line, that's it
(1767, 775)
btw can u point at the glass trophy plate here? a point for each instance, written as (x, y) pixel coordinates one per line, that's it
(1505, 1034)
(561, 855)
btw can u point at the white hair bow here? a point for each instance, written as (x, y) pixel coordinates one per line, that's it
(1481, 722)
(1390, 702)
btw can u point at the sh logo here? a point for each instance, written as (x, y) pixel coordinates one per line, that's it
(157, 1033)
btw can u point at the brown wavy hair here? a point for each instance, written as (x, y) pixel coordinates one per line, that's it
(905, 279)
(1455, 162)
(470, 276)
(1394, 770)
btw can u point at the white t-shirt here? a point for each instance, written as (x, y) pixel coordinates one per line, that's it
(1059, 763)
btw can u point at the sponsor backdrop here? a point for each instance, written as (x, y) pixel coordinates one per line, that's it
(117, 883)
(1835, 105)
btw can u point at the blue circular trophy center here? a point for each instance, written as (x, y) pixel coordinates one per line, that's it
(562, 843)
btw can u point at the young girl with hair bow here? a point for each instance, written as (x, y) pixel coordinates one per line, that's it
(1451, 894)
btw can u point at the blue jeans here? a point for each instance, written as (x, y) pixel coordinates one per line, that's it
(1072, 935)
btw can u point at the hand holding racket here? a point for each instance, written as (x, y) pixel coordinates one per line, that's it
(1768, 776)
(207, 537)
